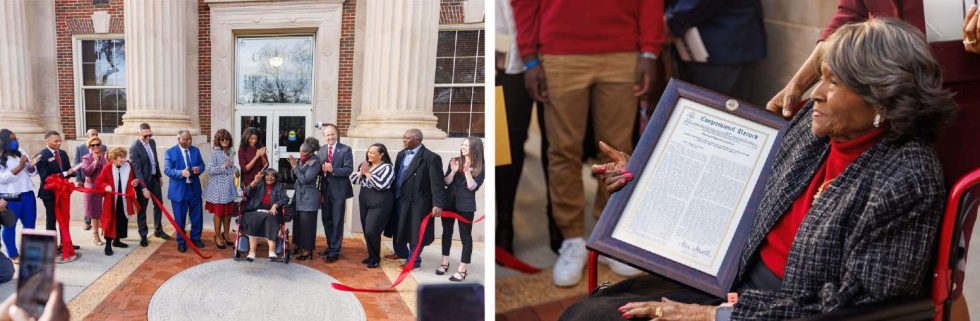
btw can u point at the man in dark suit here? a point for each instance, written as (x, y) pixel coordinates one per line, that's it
(732, 33)
(419, 189)
(53, 161)
(146, 164)
(80, 151)
(338, 164)
(183, 164)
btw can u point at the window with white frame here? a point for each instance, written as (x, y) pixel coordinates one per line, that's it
(458, 101)
(101, 83)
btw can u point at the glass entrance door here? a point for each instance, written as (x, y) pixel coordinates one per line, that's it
(273, 93)
(281, 132)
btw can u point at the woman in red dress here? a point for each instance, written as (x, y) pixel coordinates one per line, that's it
(118, 175)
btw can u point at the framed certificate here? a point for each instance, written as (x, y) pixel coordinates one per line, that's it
(701, 168)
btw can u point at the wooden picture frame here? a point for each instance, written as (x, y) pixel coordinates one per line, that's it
(633, 245)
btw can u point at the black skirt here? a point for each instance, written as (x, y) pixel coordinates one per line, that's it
(260, 224)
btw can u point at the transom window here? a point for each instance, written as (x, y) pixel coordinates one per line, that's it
(274, 70)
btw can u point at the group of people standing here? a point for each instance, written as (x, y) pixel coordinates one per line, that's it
(394, 198)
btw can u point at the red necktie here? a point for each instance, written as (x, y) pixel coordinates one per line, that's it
(330, 154)
(57, 158)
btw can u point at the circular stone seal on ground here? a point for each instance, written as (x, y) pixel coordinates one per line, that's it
(261, 290)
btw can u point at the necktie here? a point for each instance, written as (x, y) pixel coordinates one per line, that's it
(401, 173)
(330, 154)
(57, 158)
(187, 163)
(153, 163)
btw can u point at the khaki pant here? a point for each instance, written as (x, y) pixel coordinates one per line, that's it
(603, 82)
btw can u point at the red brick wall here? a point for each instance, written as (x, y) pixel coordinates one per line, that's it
(451, 12)
(345, 82)
(204, 67)
(74, 17)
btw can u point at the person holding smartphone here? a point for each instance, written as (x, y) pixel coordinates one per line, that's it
(463, 178)
(16, 187)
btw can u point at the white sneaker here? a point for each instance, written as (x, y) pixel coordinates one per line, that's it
(619, 267)
(571, 260)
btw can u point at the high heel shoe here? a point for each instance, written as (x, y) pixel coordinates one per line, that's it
(220, 245)
(455, 279)
(442, 269)
(97, 241)
(224, 238)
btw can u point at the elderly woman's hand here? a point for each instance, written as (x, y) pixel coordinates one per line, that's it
(613, 175)
(971, 30)
(668, 310)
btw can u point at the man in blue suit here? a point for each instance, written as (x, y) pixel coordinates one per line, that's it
(183, 164)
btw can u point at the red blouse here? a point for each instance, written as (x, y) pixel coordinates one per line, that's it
(778, 242)
(268, 193)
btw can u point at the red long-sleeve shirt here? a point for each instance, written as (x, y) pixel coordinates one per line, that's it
(779, 241)
(588, 26)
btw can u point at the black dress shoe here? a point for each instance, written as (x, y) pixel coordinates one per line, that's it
(372, 265)
(181, 248)
(144, 242)
(305, 257)
(332, 258)
(161, 235)
(119, 244)
(199, 244)
(323, 253)
(108, 249)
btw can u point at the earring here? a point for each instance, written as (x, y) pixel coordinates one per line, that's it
(877, 122)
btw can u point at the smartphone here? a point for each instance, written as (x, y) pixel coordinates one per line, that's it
(36, 275)
(450, 301)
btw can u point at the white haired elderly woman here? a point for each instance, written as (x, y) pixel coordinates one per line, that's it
(853, 203)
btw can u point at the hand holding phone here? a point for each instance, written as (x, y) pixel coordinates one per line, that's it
(36, 274)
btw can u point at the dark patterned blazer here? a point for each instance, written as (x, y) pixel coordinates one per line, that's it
(869, 237)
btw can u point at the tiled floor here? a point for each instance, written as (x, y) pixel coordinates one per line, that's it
(129, 301)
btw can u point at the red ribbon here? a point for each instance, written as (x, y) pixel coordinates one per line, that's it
(62, 190)
(410, 263)
(173, 222)
(509, 260)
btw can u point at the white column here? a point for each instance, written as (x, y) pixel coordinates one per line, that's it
(399, 69)
(18, 111)
(161, 44)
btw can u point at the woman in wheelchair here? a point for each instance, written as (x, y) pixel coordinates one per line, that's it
(853, 202)
(265, 202)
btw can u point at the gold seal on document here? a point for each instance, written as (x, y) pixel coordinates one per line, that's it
(731, 105)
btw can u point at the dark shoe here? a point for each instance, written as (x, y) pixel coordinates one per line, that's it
(161, 235)
(413, 268)
(220, 245)
(305, 257)
(198, 244)
(88, 227)
(182, 248)
(393, 257)
(332, 258)
(460, 279)
(323, 253)
(372, 265)
(144, 242)
(118, 244)
(108, 251)
(442, 269)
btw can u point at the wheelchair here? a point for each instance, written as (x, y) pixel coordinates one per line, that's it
(282, 238)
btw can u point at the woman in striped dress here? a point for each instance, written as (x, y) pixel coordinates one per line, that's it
(376, 198)
(219, 195)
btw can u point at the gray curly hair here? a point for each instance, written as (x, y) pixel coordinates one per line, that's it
(888, 63)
